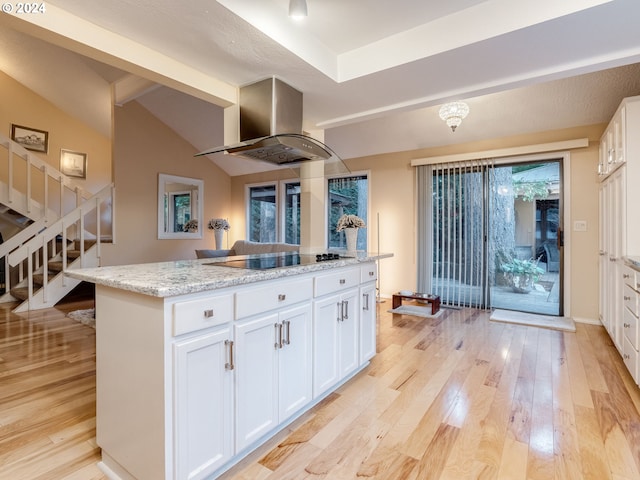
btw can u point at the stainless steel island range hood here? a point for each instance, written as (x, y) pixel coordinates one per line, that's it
(271, 127)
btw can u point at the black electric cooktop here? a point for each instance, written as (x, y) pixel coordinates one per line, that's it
(265, 262)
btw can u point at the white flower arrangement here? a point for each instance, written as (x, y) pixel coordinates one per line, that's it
(190, 225)
(219, 224)
(349, 221)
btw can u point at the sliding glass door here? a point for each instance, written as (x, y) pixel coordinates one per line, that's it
(493, 237)
(526, 242)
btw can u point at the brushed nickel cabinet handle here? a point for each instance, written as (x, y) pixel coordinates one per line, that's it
(229, 346)
(345, 310)
(282, 297)
(208, 313)
(371, 274)
(278, 342)
(626, 299)
(625, 275)
(366, 304)
(627, 325)
(342, 281)
(287, 325)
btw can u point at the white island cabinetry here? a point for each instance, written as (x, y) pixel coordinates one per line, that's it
(368, 317)
(191, 379)
(273, 358)
(335, 328)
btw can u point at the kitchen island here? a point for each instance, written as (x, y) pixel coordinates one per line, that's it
(198, 362)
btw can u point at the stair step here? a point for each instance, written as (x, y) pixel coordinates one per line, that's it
(54, 266)
(21, 293)
(38, 279)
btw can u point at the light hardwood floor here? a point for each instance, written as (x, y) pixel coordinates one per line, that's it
(452, 398)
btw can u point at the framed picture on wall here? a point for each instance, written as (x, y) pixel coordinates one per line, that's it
(30, 138)
(73, 164)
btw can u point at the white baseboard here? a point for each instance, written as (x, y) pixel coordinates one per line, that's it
(589, 321)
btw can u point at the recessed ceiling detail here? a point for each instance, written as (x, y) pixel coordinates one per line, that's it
(440, 31)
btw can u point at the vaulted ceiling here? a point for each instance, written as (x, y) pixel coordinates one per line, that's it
(373, 72)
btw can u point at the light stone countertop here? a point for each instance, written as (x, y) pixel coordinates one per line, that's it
(167, 279)
(633, 262)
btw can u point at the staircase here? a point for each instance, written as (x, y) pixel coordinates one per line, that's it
(61, 231)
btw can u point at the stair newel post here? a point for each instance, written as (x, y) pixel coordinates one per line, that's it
(29, 195)
(29, 274)
(45, 187)
(45, 269)
(10, 173)
(62, 187)
(81, 246)
(81, 232)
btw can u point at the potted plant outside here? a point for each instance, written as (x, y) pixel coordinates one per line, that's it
(521, 274)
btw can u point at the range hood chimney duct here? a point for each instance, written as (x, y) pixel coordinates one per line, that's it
(271, 127)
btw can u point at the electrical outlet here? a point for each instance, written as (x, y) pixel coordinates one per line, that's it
(580, 226)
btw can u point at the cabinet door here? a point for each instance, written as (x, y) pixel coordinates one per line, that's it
(295, 385)
(367, 322)
(256, 378)
(325, 343)
(349, 340)
(203, 418)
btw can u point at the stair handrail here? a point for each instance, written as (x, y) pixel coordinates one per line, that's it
(49, 171)
(60, 226)
(24, 235)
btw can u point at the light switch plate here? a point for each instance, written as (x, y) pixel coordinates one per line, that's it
(580, 226)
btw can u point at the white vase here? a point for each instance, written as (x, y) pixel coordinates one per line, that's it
(352, 238)
(218, 236)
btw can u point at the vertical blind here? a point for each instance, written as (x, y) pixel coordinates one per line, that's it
(453, 210)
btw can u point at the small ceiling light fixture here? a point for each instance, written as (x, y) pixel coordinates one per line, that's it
(297, 9)
(453, 113)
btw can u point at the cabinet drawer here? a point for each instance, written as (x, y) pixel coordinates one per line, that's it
(202, 313)
(631, 277)
(630, 297)
(630, 357)
(368, 272)
(275, 295)
(335, 282)
(630, 324)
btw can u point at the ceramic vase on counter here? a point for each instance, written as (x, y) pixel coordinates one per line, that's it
(218, 236)
(352, 238)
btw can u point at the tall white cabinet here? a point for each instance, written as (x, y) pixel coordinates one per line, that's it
(619, 236)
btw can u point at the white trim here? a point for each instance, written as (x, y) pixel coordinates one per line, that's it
(565, 157)
(504, 152)
(588, 321)
(282, 185)
(566, 228)
(327, 203)
(247, 202)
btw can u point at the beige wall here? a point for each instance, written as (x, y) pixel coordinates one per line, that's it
(392, 184)
(21, 106)
(143, 147)
(393, 198)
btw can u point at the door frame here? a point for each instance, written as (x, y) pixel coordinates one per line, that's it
(565, 220)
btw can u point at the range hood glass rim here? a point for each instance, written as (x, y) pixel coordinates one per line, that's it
(229, 149)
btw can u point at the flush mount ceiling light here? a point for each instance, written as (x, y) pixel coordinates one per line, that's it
(453, 113)
(297, 9)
